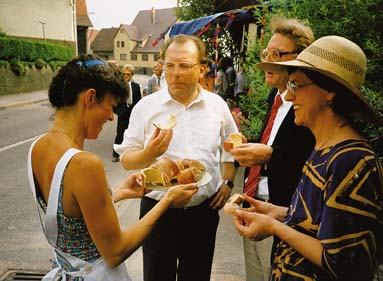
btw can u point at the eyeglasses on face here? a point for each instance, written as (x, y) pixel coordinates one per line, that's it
(274, 54)
(184, 67)
(292, 88)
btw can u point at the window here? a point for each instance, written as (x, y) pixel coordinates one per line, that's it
(118, 44)
(123, 57)
(156, 57)
(145, 57)
(122, 44)
(133, 57)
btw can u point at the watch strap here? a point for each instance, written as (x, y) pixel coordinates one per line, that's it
(229, 183)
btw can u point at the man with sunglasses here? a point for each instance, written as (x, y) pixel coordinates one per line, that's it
(182, 243)
(277, 157)
(124, 107)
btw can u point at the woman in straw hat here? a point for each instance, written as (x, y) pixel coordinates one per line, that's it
(333, 229)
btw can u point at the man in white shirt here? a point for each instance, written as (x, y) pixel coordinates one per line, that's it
(181, 246)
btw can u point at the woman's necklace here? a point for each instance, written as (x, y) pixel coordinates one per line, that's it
(66, 133)
(336, 131)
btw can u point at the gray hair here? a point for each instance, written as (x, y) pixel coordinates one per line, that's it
(130, 67)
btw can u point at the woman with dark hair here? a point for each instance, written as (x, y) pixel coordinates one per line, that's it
(333, 229)
(70, 185)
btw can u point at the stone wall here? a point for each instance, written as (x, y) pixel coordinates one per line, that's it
(33, 80)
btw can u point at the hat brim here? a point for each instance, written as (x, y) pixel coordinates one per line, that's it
(366, 113)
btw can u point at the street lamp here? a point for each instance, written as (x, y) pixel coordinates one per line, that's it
(43, 25)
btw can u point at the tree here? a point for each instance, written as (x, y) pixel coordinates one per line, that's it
(194, 9)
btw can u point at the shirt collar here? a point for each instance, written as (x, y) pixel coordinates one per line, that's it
(166, 97)
(285, 102)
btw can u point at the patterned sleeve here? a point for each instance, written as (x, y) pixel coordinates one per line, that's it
(351, 223)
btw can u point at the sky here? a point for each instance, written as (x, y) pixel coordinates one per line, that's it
(112, 13)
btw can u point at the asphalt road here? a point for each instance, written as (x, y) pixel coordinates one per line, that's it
(22, 244)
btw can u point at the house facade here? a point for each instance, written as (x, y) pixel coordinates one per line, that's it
(145, 29)
(134, 43)
(54, 21)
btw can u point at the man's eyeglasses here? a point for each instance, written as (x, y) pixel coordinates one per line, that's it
(292, 87)
(184, 67)
(274, 54)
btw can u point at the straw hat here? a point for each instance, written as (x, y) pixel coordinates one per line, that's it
(337, 58)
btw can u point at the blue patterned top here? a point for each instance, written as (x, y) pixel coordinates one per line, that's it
(338, 201)
(73, 236)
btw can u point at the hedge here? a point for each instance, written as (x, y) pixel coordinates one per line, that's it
(24, 50)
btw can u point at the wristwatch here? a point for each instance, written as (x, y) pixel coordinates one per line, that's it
(228, 183)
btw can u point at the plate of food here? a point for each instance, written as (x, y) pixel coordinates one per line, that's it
(166, 173)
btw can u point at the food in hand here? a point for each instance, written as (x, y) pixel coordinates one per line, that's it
(167, 172)
(170, 125)
(233, 203)
(234, 140)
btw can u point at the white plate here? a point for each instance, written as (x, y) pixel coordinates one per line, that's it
(206, 178)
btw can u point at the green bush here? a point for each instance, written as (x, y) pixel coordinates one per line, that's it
(4, 64)
(17, 67)
(39, 63)
(56, 64)
(30, 51)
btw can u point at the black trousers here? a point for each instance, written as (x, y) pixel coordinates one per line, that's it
(122, 125)
(181, 246)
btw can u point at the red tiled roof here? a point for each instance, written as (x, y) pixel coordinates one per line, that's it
(82, 14)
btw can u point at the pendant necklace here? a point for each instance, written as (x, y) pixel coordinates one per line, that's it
(66, 133)
(323, 146)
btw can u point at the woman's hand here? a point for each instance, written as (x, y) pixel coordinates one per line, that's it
(265, 208)
(180, 195)
(253, 225)
(130, 188)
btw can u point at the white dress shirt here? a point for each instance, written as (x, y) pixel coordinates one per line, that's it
(263, 189)
(130, 97)
(201, 129)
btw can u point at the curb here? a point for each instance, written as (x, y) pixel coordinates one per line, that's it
(22, 103)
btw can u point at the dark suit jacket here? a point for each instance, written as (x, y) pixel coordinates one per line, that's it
(122, 108)
(291, 147)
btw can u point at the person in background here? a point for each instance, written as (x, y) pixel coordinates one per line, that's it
(333, 228)
(124, 107)
(207, 81)
(240, 87)
(230, 76)
(157, 81)
(276, 158)
(235, 112)
(220, 83)
(70, 185)
(182, 244)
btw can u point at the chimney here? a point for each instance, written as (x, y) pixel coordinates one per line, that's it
(153, 15)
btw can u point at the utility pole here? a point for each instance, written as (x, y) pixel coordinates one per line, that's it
(43, 25)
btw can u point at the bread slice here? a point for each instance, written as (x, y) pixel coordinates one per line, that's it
(233, 203)
(172, 123)
(235, 139)
(152, 176)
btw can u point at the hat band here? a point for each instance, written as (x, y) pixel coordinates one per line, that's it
(336, 59)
